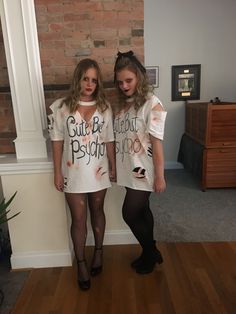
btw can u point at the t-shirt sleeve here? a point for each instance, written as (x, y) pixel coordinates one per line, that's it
(55, 122)
(109, 134)
(156, 121)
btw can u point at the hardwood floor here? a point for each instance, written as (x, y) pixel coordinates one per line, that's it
(194, 278)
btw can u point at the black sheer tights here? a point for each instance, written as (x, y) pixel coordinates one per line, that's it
(77, 203)
(138, 216)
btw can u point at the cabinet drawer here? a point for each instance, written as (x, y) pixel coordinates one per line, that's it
(219, 167)
(221, 129)
(212, 125)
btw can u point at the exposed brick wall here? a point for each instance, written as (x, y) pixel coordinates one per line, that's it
(68, 31)
(4, 81)
(7, 124)
(71, 30)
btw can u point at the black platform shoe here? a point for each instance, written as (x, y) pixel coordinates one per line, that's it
(83, 284)
(96, 270)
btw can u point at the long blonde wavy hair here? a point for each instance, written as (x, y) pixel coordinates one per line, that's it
(72, 99)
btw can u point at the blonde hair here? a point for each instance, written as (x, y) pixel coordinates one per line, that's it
(72, 99)
(143, 89)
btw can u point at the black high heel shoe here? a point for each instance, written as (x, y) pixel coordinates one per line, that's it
(96, 270)
(83, 284)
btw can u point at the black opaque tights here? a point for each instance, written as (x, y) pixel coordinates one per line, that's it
(138, 216)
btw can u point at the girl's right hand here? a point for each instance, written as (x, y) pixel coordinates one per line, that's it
(159, 185)
(59, 182)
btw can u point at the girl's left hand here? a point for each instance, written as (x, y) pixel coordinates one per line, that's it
(159, 185)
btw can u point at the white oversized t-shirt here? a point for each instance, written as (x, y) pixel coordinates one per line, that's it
(132, 130)
(85, 163)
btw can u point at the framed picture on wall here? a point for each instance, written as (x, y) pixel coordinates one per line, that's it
(185, 83)
(153, 75)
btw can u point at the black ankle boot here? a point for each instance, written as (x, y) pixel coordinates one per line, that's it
(151, 256)
(137, 261)
(83, 284)
(96, 270)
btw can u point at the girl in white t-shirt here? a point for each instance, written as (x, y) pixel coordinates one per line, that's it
(81, 132)
(139, 130)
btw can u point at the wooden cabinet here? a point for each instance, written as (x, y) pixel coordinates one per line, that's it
(214, 127)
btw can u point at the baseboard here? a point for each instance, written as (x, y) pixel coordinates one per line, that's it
(41, 259)
(114, 237)
(60, 259)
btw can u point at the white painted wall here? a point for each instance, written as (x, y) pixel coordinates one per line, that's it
(180, 32)
(40, 234)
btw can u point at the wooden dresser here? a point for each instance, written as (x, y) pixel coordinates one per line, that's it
(213, 125)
